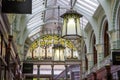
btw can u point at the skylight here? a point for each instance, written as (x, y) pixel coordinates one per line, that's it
(86, 6)
(39, 15)
(35, 20)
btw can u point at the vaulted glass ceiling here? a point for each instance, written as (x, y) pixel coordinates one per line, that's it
(45, 11)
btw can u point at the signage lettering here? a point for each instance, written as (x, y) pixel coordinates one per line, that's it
(116, 58)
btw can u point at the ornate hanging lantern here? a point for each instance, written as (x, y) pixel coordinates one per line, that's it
(58, 52)
(71, 25)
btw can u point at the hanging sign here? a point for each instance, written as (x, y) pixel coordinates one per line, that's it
(116, 58)
(17, 6)
(27, 68)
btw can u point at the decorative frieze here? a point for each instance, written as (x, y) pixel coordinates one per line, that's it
(100, 53)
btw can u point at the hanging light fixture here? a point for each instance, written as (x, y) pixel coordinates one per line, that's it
(71, 24)
(58, 52)
(58, 48)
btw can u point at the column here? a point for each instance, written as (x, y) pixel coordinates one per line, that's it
(100, 54)
(90, 61)
(38, 72)
(66, 71)
(7, 58)
(52, 72)
(114, 38)
(81, 71)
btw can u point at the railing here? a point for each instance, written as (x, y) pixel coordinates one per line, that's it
(104, 62)
(94, 68)
(85, 74)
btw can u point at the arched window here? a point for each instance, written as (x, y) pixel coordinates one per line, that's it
(86, 59)
(106, 40)
(94, 50)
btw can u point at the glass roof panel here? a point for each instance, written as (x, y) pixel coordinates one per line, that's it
(35, 31)
(87, 5)
(65, 2)
(33, 26)
(93, 3)
(35, 19)
(83, 22)
(87, 10)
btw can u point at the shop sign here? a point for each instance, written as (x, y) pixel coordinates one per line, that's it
(116, 58)
(17, 6)
(27, 68)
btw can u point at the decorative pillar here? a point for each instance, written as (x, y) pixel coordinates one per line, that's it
(7, 58)
(1, 54)
(82, 71)
(100, 54)
(38, 72)
(66, 71)
(90, 61)
(52, 71)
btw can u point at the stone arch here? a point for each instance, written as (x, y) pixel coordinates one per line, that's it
(118, 19)
(101, 29)
(115, 13)
(90, 42)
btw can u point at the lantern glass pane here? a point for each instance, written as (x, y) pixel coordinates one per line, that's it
(56, 56)
(71, 26)
(59, 55)
(78, 27)
(64, 27)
